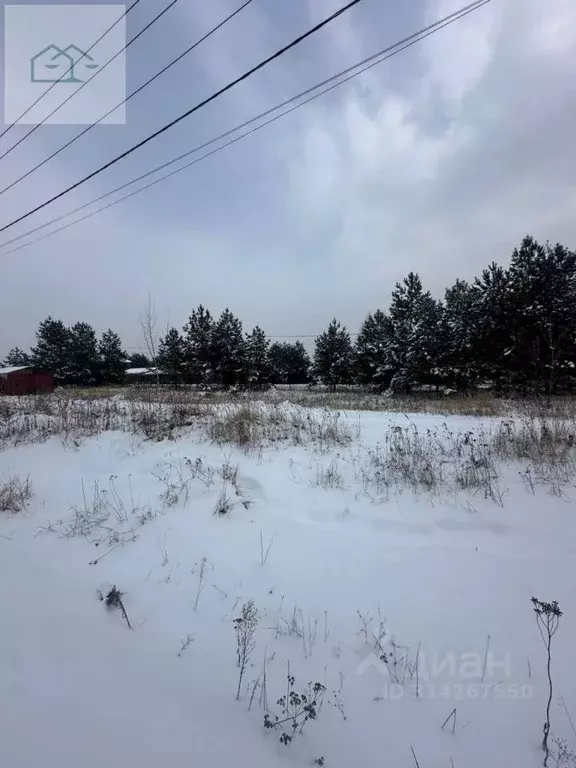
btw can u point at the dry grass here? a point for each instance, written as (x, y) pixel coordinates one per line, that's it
(93, 393)
(481, 403)
(348, 398)
(329, 476)
(162, 414)
(15, 493)
(538, 437)
(224, 503)
(37, 418)
(251, 426)
(6, 409)
(441, 461)
(546, 447)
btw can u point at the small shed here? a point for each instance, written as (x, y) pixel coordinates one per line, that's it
(24, 380)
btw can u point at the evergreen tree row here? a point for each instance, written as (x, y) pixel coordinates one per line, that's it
(216, 352)
(208, 352)
(514, 329)
(74, 355)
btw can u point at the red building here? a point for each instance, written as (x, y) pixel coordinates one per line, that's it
(24, 380)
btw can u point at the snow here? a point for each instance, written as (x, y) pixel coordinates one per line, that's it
(140, 371)
(77, 687)
(12, 369)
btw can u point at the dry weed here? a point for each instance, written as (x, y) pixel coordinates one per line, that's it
(15, 493)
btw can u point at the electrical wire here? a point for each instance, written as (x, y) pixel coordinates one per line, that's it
(130, 96)
(364, 65)
(186, 114)
(84, 84)
(85, 53)
(271, 336)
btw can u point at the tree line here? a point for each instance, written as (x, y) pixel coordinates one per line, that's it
(208, 352)
(74, 355)
(514, 328)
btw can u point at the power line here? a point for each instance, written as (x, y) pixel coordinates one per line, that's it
(186, 114)
(268, 336)
(304, 335)
(130, 96)
(364, 65)
(85, 53)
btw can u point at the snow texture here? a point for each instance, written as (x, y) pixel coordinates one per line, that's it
(13, 369)
(452, 578)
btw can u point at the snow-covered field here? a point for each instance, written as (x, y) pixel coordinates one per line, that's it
(392, 560)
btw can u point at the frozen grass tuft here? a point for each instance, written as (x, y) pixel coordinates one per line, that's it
(176, 480)
(440, 461)
(546, 446)
(253, 426)
(15, 493)
(229, 472)
(563, 755)
(329, 476)
(224, 503)
(106, 515)
(435, 461)
(200, 470)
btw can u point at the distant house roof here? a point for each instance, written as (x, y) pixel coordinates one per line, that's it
(141, 371)
(13, 369)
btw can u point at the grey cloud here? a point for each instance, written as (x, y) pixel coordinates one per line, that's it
(416, 166)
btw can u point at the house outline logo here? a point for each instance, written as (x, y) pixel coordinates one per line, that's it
(46, 58)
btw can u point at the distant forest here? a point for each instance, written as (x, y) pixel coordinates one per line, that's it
(514, 328)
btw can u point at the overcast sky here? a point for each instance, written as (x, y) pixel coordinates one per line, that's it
(438, 161)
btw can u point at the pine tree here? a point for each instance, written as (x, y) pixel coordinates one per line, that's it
(493, 343)
(17, 356)
(138, 360)
(278, 357)
(414, 348)
(333, 356)
(458, 333)
(227, 349)
(372, 363)
(112, 358)
(52, 349)
(257, 368)
(83, 359)
(198, 351)
(299, 363)
(542, 285)
(290, 363)
(171, 356)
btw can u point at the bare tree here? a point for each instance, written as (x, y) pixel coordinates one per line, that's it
(149, 329)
